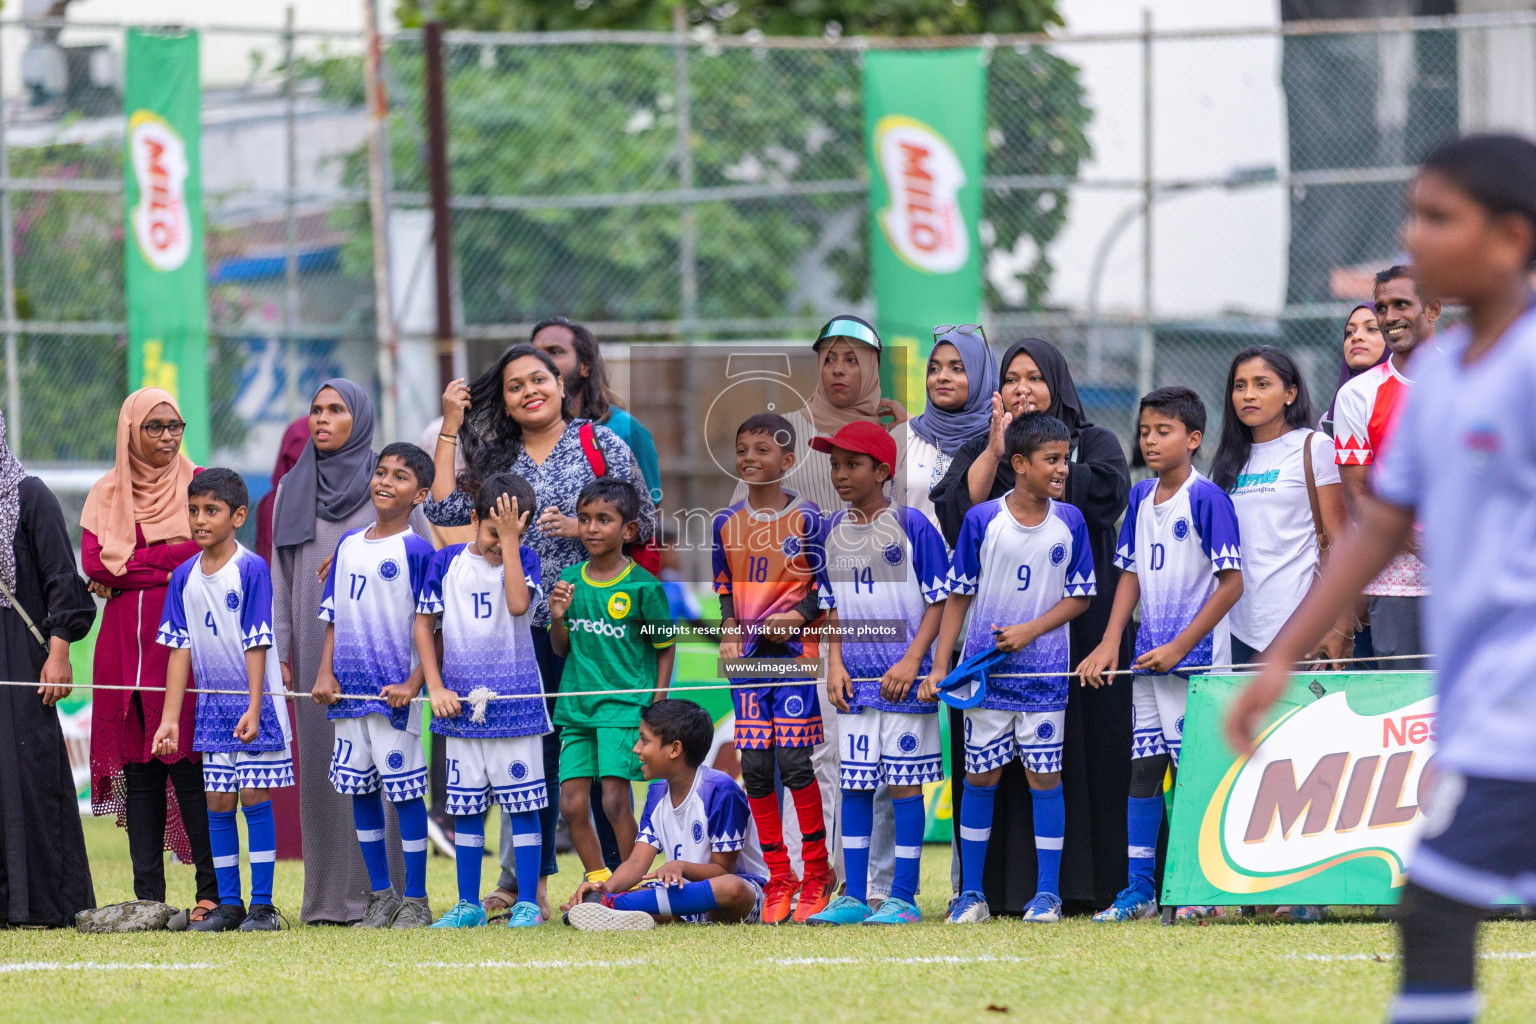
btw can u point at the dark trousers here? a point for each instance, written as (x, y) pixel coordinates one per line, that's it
(146, 813)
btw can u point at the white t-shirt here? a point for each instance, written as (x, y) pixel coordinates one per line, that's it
(1279, 543)
(1464, 458)
(925, 467)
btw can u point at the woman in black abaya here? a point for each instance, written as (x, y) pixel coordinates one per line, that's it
(1096, 759)
(44, 876)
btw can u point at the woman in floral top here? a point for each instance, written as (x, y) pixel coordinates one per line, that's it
(514, 418)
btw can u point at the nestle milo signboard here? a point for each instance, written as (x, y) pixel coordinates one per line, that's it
(1328, 807)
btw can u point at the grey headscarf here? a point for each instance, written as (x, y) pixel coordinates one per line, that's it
(330, 485)
(11, 474)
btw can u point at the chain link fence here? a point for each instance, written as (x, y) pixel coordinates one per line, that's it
(1153, 202)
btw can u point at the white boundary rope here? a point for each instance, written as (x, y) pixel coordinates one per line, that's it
(479, 696)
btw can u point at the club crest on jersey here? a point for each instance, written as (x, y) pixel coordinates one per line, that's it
(618, 605)
(1179, 725)
(517, 771)
(791, 547)
(907, 743)
(893, 554)
(794, 706)
(395, 760)
(1058, 554)
(232, 600)
(389, 569)
(1180, 528)
(697, 831)
(1044, 731)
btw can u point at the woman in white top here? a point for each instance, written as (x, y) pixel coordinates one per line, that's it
(962, 374)
(1266, 429)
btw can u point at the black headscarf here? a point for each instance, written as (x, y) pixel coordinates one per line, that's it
(1065, 405)
(328, 485)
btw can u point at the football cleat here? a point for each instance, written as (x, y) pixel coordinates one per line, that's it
(462, 914)
(1132, 904)
(1199, 913)
(262, 918)
(1044, 908)
(894, 911)
(525, 915)
(970, 907)
(778, 898)
(815, 892)
(382, 908)
(843, 910)
(226, 917)
(1307, 913)
(415, 912)
(599, 917)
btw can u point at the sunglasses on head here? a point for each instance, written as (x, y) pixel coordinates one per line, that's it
(939, 329)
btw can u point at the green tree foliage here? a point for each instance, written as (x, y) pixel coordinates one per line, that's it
(68, 249)
(540, 121)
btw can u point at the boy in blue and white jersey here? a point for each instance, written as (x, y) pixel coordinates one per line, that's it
(695, 817)
(218, 622)
(1023, 568)
(883, 568)
(376, 578)
(483, 593)
(1180, 551)
(1462, 458)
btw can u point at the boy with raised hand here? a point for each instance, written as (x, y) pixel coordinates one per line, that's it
(482, 592)
(695, 817)
(765, 564)
(1023, 568)
(883, 567)
(376, 579)
(610, 620)
(218, 621)
(1180, 552)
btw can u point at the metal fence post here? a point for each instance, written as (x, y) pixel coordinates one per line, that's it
(1147, 350)
(378, 210)
(290, 343)
(686, 255)
(12, 356)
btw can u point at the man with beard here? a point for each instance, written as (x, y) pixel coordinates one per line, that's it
(1365, 413)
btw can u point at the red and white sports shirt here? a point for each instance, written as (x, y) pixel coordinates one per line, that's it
(1364, 414)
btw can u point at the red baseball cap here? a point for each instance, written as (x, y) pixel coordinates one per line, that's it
(865, 438)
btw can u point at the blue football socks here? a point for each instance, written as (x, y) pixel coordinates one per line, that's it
(413, 842)
(1143, 820)
(858, 823)
(224, 841)
(975, 833)
(368, 816)
(527, 851)
(689, 899)
(468, 848)
(1050, 828)
(261, 832)
(910, 822)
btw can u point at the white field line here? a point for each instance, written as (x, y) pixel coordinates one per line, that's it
(91, 965)
(1329, 958)
(816, 961)
(40, 966)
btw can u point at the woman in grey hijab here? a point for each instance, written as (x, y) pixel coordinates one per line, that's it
(322, 497)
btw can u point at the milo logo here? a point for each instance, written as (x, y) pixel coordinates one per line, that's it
(162, 222)
(923, 176)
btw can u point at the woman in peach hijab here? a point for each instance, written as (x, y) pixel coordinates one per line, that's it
(135, 533)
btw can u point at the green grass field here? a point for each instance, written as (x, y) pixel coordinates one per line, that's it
(1077, 971)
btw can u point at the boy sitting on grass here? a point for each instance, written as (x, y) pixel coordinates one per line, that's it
(599, 612)
(698, 819)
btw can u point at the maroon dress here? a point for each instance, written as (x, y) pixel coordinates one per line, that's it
(127, 654)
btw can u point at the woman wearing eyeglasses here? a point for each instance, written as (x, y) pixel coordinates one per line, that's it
(135, 533)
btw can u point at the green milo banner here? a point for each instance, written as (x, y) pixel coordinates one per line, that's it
(1325, 811)
(924, 121)
(165, 269)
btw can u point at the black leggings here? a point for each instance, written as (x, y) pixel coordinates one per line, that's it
(795, 769)
(145, 815)
(1439, 940)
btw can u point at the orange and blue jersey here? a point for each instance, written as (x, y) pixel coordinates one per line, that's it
(767, 562)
